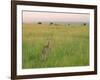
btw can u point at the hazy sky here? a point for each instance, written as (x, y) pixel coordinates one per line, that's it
(31, 17)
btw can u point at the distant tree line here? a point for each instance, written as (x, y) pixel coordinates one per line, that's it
(51, 23)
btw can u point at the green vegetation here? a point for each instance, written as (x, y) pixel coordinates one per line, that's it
(69, 45)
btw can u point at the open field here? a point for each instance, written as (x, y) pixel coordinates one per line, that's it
(69, 45)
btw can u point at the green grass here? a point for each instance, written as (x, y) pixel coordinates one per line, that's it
(69, 45)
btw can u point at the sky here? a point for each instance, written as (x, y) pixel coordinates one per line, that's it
(33, 17)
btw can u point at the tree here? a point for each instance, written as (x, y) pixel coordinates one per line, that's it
(68, 24)
(84, 24)
(51, 23)
(39, 22)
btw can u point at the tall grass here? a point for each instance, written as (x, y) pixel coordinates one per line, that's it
(69, 45)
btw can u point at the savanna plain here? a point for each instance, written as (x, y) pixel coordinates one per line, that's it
(68, 45)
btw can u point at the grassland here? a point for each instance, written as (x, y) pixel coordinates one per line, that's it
(69, 45)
